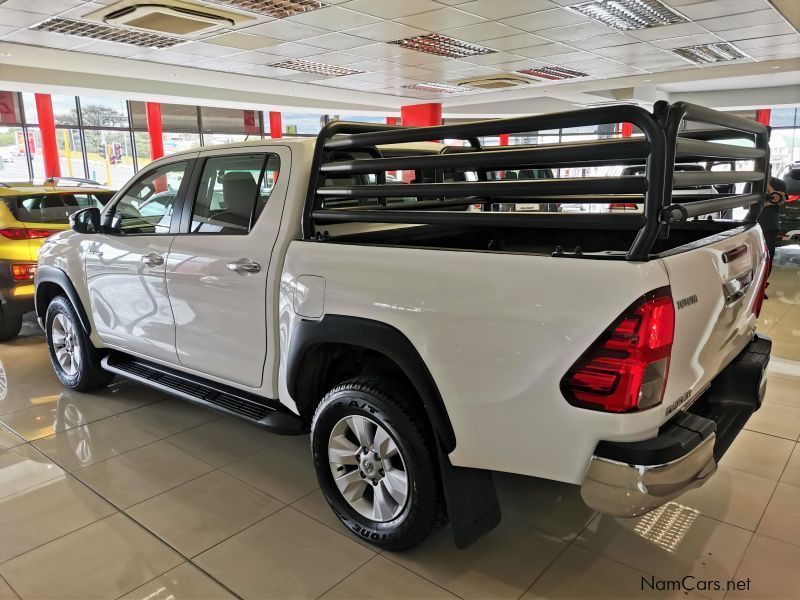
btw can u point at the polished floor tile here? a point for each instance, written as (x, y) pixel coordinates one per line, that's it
(732, 496)
(9, 439)
(45, 512)
(670, 542)
(784, 390)
(88, 444)
(222, 441)
(776, 419)
(140, 474)
(184, 582)
(283, 470)
(792, 472)
(169, 417)
(196, 515)
(24, 467)
(500, 565)
(771, 567)
(316, 506)
(6, 593)
(287, 555)
(579, 573)
(759, 454)
(103, 560)
(781, 519)
(382, 578)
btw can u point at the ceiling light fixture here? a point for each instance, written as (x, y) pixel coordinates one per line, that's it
(107, 33)
(308, 66)
(553, 73)
(628, 15)
(277, 9)
(439, 88)
(710, 53)
(442, 45)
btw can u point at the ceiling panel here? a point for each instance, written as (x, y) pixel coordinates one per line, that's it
(443, 18)
(494, 9)
(480, 32)
(545, 19)
(392, 10)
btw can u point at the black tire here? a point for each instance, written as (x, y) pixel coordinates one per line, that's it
(10, 326)
(88, 375)
(389, 405)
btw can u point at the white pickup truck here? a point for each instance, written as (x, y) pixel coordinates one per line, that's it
(424, 345)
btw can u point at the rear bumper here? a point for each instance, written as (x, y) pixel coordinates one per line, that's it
(630, 479)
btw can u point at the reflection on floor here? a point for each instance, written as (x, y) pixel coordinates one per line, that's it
(129, 493)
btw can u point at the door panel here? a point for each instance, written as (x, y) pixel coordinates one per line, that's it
(217, 274)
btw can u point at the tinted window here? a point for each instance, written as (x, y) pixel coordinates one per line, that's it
(233, 192)
(52, 208)
(148, 205)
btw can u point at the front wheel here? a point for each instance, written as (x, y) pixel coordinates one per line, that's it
(375, 458)
(10, 326)
(75, 360)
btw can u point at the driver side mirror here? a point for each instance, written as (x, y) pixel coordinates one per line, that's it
(86, 220)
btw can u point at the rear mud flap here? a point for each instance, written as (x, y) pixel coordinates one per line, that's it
(472, 503)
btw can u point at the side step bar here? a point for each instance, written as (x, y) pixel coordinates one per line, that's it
(270, 414)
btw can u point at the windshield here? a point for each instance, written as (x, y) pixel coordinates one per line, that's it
(53, 208)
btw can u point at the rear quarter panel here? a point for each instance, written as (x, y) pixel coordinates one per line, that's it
(497, 332)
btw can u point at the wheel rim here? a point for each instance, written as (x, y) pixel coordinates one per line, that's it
(368, 468)
(65, 344)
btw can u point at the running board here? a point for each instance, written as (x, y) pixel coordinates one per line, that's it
(270, 414)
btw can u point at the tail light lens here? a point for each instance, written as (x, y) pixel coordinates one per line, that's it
(626, 369)
(21, 233)
(622, 205)
(23, 272)
(762, 289)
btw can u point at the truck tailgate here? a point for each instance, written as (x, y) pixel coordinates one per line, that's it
(715, 288)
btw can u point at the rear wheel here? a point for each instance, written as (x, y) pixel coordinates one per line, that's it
(374, 453)
(75, 360)
(10, 327)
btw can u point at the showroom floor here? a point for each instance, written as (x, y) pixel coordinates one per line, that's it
(128, 493)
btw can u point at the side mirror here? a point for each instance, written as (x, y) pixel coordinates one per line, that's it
(86, 220)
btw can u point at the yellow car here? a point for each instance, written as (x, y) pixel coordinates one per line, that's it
(29, 213)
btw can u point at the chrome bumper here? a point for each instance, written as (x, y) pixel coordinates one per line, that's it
(625, 490)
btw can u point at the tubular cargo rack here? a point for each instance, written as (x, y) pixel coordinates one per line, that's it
(666, 140)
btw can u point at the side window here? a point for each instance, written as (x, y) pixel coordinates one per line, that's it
(233, 192)
(148, 205)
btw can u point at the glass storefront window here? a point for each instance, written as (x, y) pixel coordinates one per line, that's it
(230, 120)
(13, 163)
(302, 123)
(215, 139)
(178, 142)
(65, 110)
(9, 109)
(103, 112)
(110, 156)
(70, 152)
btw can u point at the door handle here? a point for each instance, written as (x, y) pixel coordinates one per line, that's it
(244, 265)
(152, 260)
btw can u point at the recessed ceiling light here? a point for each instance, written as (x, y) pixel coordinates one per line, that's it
(441, 88)
(277, 9)
(710, 53)
(442, 45)
(553, 73)
(308, 66)
(647, 80)
(106, 33)
(775, 67)
(6, 54)
(628, 15)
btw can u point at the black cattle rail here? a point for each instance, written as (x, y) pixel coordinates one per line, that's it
(433, 202)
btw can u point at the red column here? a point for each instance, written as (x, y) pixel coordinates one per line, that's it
(275, 125)
(47, 127)
(421, 115)
(391, 121)
(763, 115)
(154, 128)
(626, 129)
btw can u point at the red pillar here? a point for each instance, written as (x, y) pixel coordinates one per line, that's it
(275, 125)
(154, 128)
(421, 115)
(626, 129)
(391, 121)
(47, 127)
(763, 115)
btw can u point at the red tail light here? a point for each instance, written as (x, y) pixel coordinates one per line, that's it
(622, 205)
(762, 289)
(626, 368)
(21, 233)
(23, 272)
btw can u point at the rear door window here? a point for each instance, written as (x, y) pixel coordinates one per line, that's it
(54, 209)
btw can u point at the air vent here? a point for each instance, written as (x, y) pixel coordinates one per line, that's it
(441, 45)
(173, 20)
(277, 9)
(628, 15)
(107, 33)
(307, 66)
(439, 88)
(710, 53)
(494, 82)
(553, 73)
